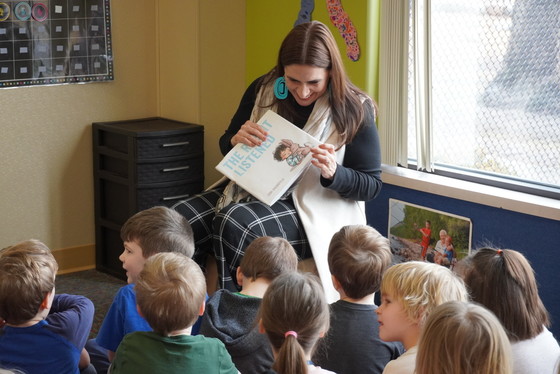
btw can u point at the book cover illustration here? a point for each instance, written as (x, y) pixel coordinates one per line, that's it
(268, 171)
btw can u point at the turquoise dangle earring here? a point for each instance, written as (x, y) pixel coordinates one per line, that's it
(280, 89)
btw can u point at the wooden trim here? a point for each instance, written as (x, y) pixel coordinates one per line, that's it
(73, 259)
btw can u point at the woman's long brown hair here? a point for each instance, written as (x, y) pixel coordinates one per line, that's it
(313, 44)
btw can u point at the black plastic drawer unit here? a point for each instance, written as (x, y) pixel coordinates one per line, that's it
(138, 164)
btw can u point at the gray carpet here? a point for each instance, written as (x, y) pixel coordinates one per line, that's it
(99, 287)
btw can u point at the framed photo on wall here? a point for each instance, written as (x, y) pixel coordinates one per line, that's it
(418, 233)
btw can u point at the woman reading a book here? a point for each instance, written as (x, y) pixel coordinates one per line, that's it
(310, 88)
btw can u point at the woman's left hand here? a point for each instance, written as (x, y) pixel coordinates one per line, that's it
(324, 158)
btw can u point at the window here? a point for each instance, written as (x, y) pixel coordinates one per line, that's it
(472, 90)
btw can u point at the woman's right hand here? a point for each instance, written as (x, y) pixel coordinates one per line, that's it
(250, 134)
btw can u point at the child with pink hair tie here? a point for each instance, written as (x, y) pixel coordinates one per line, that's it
(294, 314)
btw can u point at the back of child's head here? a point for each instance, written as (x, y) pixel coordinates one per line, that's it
(358, 256)
(159, 229)
(27, 274)
(504, 282)
(170, 290)
(422, 286)
(294, 313)
(463, 338)
(267, 257)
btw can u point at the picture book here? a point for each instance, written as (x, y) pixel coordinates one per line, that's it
(267, 171)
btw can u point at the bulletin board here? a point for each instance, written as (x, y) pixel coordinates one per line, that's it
(54, 42)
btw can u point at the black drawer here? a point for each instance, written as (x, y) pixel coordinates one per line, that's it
(119, 202)
(149, 197)
(187, 169)
(169, 146)
(149, 138)
(155, 170)
(153, 147)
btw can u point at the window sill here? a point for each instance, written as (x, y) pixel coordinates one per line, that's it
(472, 192)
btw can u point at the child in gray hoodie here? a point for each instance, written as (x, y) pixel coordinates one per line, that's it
(231, 316)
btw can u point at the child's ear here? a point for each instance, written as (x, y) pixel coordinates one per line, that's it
(239, 276)
(47, 301)
(139, 311)
(420, 317)
(335, 282)
(202, 308)
(261, 327)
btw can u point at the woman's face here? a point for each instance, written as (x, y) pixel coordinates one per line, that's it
(306, 83)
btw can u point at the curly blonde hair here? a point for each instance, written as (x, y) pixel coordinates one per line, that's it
(422, 286)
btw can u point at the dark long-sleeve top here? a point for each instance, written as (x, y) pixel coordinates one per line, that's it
(359, 176)
(55, 343)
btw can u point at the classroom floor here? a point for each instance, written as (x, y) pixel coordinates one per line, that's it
(99, 287)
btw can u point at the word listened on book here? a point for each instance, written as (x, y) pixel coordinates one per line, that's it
(241, 161)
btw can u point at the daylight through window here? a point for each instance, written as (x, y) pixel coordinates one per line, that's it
(486, 74)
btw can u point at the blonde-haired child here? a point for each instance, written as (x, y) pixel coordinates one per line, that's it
(410, 291)
(294, 314)
(463, 338)
(170, 292)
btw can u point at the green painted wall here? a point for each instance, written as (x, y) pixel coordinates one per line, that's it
(268, 22)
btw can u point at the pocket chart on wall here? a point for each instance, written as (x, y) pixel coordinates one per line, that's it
(55, 41)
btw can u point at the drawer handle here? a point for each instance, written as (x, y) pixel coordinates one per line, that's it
(167, 170)
(175, 144)
(178, 197)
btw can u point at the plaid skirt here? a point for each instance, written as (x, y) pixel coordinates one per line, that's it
(227, 233)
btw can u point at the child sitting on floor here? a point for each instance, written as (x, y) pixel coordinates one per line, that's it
(468, 339)
(358, 256)
(170, 292)
(230, 316)
(504, 282)
(42, 332)
(154, 230)
(294, 314)
(409, 293)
